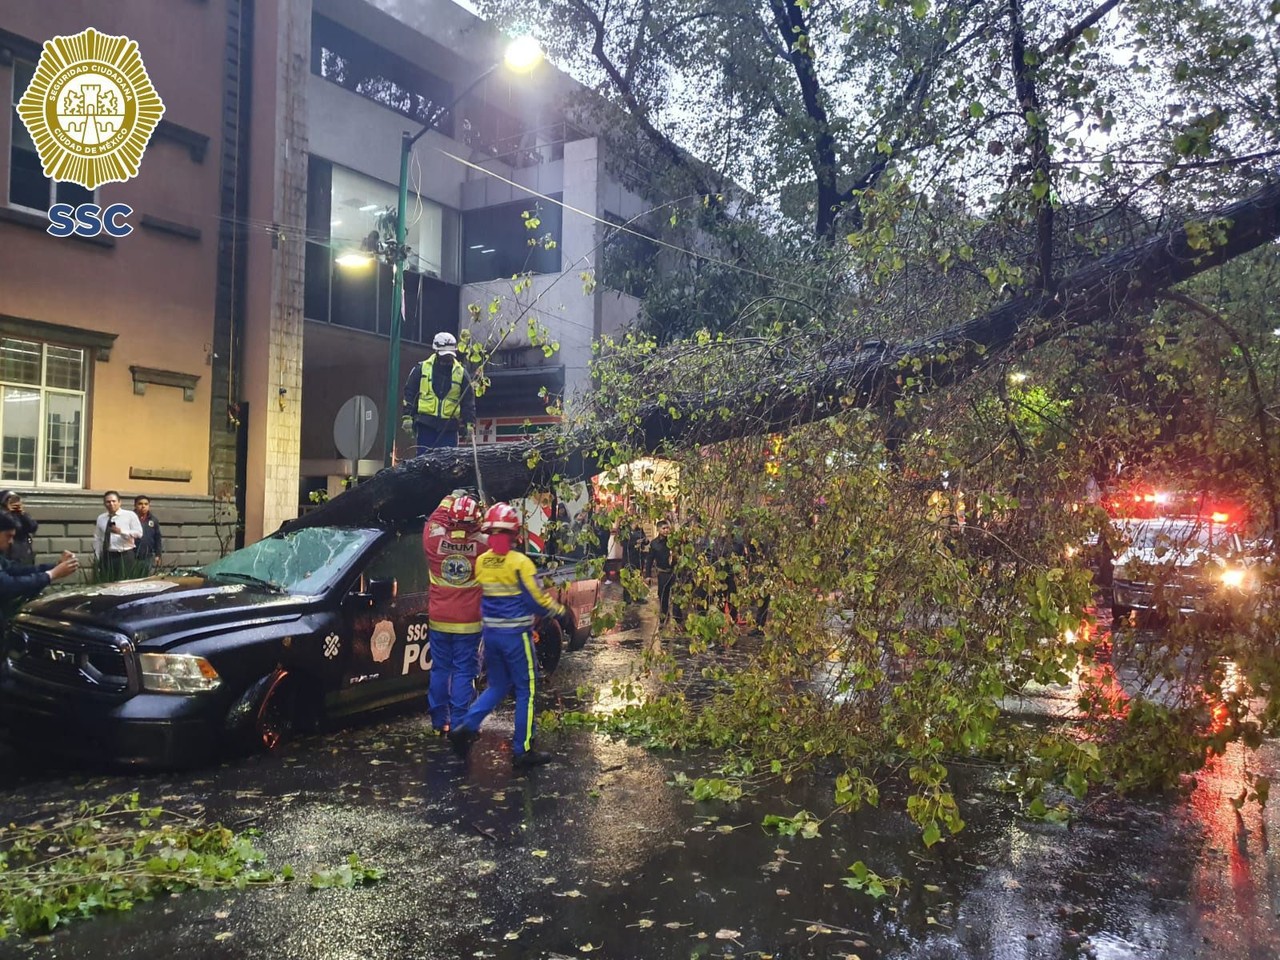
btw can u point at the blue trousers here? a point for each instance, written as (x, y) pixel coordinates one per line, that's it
(509, 658)
(455, 662)
(429, 437)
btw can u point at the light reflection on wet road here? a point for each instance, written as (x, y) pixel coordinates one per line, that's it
(632, 869)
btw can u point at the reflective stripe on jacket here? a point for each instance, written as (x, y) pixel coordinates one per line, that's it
(511, 593)
(429, 405)
(454, 599)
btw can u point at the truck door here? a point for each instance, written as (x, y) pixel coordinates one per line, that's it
(386, 617)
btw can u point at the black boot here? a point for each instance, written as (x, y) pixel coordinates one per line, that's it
(530, 759)
(461, 740)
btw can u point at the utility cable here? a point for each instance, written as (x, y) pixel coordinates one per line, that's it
(643, 236)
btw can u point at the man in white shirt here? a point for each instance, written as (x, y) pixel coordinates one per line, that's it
(114, 537)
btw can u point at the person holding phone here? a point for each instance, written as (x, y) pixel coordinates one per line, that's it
(115, 538)
(23, 550)
(19, 582)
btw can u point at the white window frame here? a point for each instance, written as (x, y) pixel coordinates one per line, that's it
(42, 435)
(14, 96)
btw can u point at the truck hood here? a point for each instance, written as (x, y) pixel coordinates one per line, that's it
(163, 605)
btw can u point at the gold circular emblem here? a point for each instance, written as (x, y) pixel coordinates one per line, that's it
(90, 108)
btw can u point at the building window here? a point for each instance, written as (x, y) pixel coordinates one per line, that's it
(28, 186)
(499, 243)
(360, 206)
(345, 284)
(363, 67)
(42, 404)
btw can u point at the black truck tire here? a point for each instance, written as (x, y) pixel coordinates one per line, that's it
(550, 644)
(266, 715)
(576, 636)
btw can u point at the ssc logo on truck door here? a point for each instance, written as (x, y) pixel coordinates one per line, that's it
(383, 639)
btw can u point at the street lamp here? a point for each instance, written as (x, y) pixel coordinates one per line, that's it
(521, 55)
(353, 259)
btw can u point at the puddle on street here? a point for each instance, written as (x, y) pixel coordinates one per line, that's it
(598, 856)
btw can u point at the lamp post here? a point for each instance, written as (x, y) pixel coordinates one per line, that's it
(520, 56)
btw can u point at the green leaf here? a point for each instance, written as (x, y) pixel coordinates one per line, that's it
(931, 834)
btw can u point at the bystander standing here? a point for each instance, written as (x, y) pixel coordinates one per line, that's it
(151, 546)
(662, 562)
(23, 549)
(115, 538)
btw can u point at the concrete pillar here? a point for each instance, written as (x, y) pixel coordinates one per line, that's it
(274, 325)
(580, 253)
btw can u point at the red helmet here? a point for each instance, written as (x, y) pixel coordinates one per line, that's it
(501, 516)
(464, 511)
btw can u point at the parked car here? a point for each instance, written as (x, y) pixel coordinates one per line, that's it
(1180, 566)
(299, 628)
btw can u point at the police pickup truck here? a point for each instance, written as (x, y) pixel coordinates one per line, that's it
(1182, 566)
(300, 628)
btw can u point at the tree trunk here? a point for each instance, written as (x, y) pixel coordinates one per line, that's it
(867, 374)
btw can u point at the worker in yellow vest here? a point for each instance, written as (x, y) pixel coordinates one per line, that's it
(439, 399)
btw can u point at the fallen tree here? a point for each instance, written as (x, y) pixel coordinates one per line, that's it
(870, 374)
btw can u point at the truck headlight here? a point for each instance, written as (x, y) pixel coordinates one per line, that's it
(177, 673)
(1234, 577)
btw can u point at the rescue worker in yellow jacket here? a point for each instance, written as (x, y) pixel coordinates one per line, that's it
(439, 398)
(511, 598)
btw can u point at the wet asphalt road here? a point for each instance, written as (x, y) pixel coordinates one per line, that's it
(596, 856)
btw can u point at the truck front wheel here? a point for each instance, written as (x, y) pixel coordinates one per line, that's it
(268, 713)
(277, 714)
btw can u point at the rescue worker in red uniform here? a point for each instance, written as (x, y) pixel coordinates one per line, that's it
(452, 541)
(511, 598)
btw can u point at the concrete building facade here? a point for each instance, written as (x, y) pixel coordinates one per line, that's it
(205, 358)
(117, 356)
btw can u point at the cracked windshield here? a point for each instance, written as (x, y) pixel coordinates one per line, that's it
(306, 561)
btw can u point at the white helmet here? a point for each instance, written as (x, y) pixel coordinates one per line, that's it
(445, 343)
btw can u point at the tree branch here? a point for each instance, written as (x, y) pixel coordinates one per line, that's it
(637, 110)
(1038, 137)
(865, 374)
(789, 19)
(1064, 43)
(1255, 390)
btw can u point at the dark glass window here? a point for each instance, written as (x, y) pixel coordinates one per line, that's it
(490, 130)
(499, 243)
(319, 264)
(28, 186)
(363, 67)
(358, 294)
(403, 561)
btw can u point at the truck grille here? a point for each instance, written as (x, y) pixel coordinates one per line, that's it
(100, 664)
